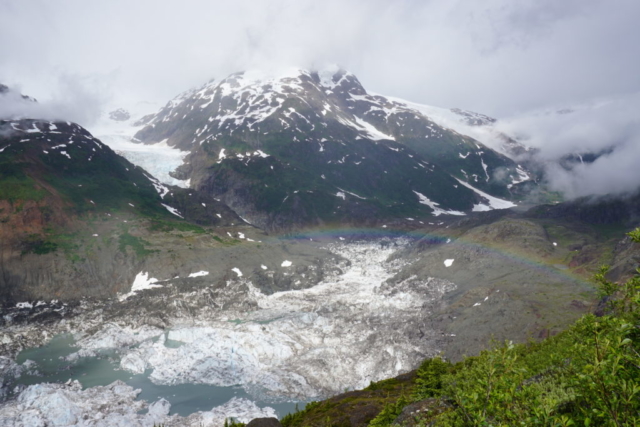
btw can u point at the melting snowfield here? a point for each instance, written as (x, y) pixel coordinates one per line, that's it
(354, 327)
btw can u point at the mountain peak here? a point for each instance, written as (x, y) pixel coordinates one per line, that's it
(8, 94)
(261, 140)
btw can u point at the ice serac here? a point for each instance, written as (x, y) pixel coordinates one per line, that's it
(279, 147)
(115, 404)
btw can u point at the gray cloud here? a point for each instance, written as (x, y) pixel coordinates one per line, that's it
(73, 99)
(495, 56)
(610, 125)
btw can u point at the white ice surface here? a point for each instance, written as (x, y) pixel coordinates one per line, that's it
(280, 347)
(158, 159)
(68, 404)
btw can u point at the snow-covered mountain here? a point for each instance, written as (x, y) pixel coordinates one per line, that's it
(309, 147)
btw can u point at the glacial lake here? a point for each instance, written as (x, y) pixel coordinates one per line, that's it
(185, 399)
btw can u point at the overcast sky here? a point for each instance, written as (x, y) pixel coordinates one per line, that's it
(499, 57)
(504, 58)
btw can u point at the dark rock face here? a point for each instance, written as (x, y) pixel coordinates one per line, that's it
(314, 148)
(119, 115)
(594, 210)
(474, 119)
(6, 90)
(625, 261)
(264, 422)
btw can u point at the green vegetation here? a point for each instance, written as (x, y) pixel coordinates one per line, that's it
(15, 184)
(429, 378)
(298, 418)
(299, 181)
(231, 422)
(19, 188)
(38, 244)
(389, 413)
(588, 375)
(108, 186)
(157, 224)
(137, 244)
(355, 406)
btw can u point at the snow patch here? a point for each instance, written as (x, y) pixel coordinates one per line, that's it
(494, 202)
(172, 210)
(433, 205)
(372, 131)
(160, 188)
(140, 283)
(349, 192)
(199, 274)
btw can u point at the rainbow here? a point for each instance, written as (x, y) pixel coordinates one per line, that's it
(431, 237)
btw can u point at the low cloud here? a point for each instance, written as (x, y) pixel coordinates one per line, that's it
(606, 127)
(74, 99)
(494, 56)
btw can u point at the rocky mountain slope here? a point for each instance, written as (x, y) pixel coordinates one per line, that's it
(76, 219)
(309, 148)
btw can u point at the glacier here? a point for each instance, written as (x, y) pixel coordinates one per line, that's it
(361, 323)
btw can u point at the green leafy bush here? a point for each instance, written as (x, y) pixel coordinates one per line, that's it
(429, 378)
(389, 413)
